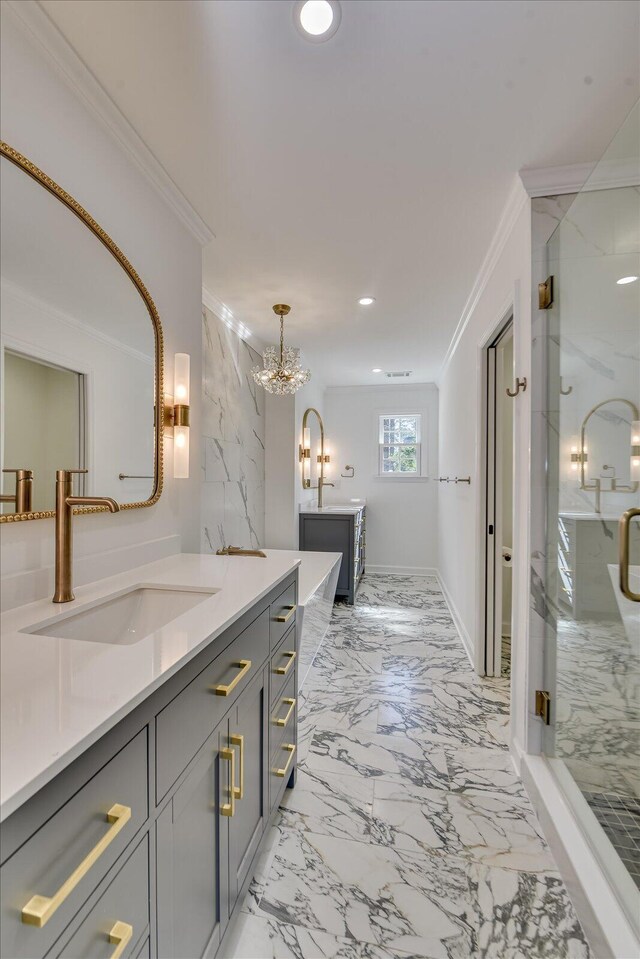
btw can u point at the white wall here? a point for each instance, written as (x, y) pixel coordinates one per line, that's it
(45, 119)
(504, 284)
(401, 513)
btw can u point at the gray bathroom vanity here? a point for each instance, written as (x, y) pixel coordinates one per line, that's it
(144, 843)
(338, 529)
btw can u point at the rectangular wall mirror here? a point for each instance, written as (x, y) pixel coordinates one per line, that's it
(80, 353)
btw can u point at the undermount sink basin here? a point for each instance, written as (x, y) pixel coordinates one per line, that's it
(125, 618)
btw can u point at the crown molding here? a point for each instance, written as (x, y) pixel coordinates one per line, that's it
(516, 202)
(18, 293)
(34, 21)
(222, 311)
(603, 175)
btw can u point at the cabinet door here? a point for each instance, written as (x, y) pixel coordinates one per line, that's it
(190, 883)
(248, 737)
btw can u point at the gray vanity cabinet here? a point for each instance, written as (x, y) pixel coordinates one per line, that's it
(344, 533)
(189, 859)
(166, 850)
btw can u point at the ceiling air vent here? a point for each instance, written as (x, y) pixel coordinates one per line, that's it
(400, 374)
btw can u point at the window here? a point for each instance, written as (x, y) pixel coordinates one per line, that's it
(400, 444)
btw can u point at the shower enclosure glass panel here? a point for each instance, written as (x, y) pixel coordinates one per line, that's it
(592, 646)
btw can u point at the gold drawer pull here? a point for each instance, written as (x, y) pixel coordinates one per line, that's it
(229, 808)
(291, 749)
(287, 616)
(291, 703)
(121, 934)
(40, 909)
(283, 670)
(244, 665)
(238, 740)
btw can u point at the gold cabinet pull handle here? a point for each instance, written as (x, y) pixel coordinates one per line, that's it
(291, 703)
(121, 934)
(238, 740)
(40, 909)
(283, 670)
(291, 749)
(287, 616)
(623, 536)
(229, 808)
(244, 665)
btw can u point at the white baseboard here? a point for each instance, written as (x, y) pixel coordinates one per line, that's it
(464, 635)
(403, 570)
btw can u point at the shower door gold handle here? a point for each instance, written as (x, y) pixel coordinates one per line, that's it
(625, 522)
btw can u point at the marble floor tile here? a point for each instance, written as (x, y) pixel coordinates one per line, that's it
(256, 938)
(399, 760)
(421, 715)
(481, 769)
(339, 709)
(493, 828)
(372, 894)
(329, 805)
(524, 914)
(409, 834)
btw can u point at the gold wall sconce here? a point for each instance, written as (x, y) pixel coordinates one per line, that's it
(176, 415)
(635, 451)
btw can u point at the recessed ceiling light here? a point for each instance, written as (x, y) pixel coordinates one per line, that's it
(376, 370)
(317, 20)
(626, 279)
(366, 300)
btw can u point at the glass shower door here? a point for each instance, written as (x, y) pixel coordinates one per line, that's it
(592, 650)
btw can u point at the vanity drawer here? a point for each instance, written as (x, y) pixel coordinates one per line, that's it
(77, 845)
(121, 915)
(283, 613)
(283, 664)
(183, 725)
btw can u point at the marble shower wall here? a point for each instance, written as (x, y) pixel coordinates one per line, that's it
(233, 438)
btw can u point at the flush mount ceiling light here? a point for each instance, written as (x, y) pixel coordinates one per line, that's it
(626, 279)
(366, 300)
(282, 372)
(317, 20)
(377, 370)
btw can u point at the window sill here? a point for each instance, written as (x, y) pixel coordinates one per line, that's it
(395, 477)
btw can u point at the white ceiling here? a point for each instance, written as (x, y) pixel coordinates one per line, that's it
(376, 163)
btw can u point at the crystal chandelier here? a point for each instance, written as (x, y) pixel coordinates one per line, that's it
(282, 372)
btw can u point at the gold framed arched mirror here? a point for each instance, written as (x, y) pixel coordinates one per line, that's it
(604, 453)
(81, 353)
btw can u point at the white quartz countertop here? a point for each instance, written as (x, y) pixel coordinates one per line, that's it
(59, 696)
(602, 517)
(340, 509)
(314, 569)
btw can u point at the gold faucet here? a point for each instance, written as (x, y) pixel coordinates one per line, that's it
(321, 485)
(24, 489)
(65, 501)
(238, 551)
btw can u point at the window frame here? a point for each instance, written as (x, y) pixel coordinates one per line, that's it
(400, 474)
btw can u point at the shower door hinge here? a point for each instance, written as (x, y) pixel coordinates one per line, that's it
(543, 705)
(545, 294)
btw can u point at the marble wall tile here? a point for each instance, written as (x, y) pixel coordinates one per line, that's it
(233, 436)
